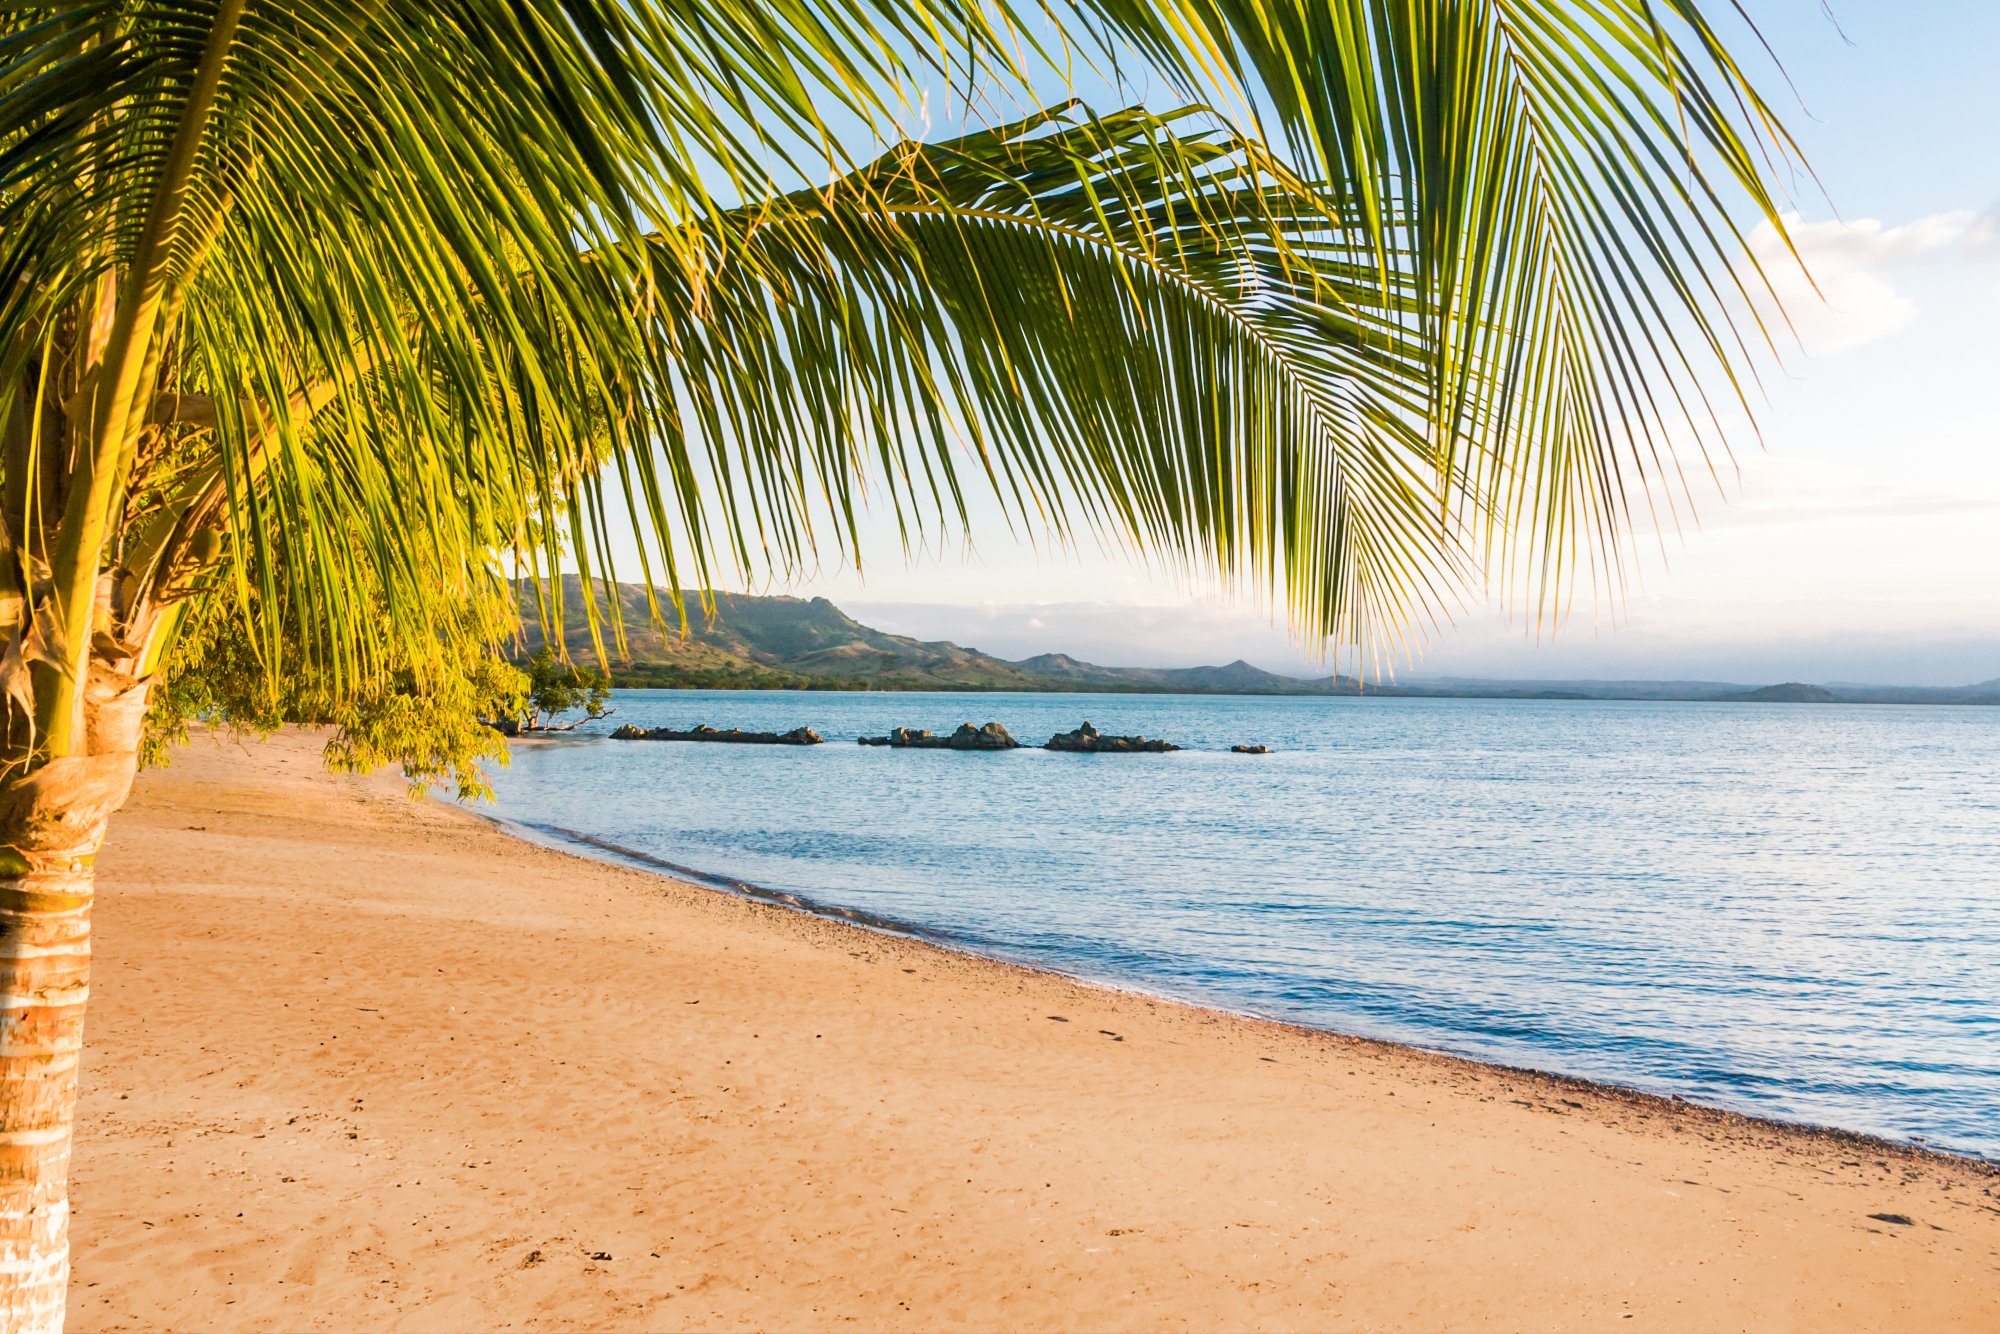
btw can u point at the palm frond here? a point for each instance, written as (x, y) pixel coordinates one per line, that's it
(1130, 324)
(1565, 181)
(434, 282)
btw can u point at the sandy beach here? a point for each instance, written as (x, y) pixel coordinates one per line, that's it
(356, 1062)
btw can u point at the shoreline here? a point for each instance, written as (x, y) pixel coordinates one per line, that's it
(574, 843)
(355, 1061)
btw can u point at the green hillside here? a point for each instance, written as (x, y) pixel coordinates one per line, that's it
(787, 643)
(773, 643)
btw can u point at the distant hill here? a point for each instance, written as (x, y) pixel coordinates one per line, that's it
(1062, 672)
(1791, 692)
(788, 643)
(770, 643)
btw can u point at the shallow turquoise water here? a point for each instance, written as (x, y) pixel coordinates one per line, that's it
(1790, 910)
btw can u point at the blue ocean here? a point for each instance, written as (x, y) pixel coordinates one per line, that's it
(1787, 910)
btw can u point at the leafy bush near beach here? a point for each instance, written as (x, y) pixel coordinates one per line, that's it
(557, 686)
(427, 713)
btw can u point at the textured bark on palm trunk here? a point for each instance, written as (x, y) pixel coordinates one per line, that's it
(44, 982)
(52, 821)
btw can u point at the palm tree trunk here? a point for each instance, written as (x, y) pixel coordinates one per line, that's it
(52, 820)
(44, 982)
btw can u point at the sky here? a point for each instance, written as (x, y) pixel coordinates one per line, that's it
(1855, 543)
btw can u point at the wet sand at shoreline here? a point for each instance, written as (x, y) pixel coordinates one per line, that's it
(354, 1062)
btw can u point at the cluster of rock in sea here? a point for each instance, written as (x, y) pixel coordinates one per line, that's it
(1084, 740)
(990, 737)
(1089, 740)
(798, 736)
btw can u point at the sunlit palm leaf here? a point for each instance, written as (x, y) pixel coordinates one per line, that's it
(1128, 321)
(364, 223)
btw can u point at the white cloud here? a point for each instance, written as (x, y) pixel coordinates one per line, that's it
(1771, 491)
(1858, 268)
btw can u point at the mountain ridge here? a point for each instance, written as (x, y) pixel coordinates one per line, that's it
(783, 642)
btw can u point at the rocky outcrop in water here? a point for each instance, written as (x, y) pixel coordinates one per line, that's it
(990, 737)
(1251, 750)
(1087, 739)
(798, 736)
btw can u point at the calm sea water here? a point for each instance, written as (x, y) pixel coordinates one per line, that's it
(1790, 910)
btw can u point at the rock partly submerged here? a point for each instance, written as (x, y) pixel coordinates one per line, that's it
(990, 737)
(1088, 740)
(1084, 740)
(1251, 750)
(798, 736)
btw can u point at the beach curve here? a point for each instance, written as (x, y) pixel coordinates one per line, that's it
(361, 1062)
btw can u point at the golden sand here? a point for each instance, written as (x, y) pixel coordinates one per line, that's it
(355, 1062)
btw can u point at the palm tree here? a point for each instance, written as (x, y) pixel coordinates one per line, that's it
(331, 306)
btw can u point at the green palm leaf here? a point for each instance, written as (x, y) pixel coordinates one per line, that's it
(1119, 323)
(1493, 302)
